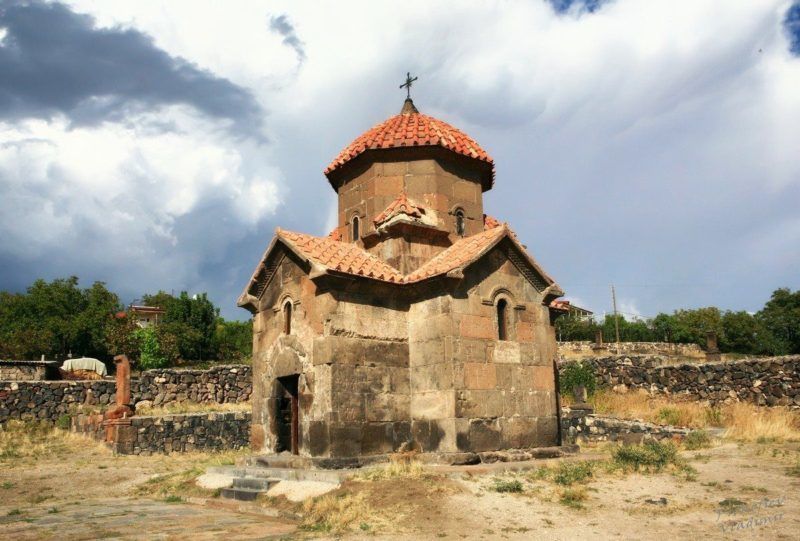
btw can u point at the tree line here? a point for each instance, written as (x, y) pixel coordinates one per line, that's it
(773, 330)
(59, 317)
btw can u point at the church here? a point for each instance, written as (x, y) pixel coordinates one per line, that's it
(420, 322)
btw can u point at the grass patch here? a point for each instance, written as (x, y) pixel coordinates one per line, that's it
(335, 513)
(21, 441)
(507, 485)
(573, 497)
(173, 498)
(743, 421)
(568, 473)
(7, 485)
(746, 422)
(400, 466)
(697, 439)
(670, 415)
(651, 455)
(794, 471)
(14, 513)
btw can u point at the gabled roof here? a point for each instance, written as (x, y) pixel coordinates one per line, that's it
(400, 206)
(413, 129)
(344, 257)
(327, 255)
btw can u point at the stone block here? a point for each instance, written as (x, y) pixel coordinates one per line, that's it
(433, 405)
(507, 352)
(480, 376)
(484, 435)
(345, 440)
(377, 438)
(472, 326)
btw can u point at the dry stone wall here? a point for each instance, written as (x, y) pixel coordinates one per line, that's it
(184, 433)
(27, 370)
(587, 348)
(579, 426)
(49, 400)
(772, 381)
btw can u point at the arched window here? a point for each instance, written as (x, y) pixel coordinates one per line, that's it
(356, 224)
(460, 225)
(287, 317)
(502, 320)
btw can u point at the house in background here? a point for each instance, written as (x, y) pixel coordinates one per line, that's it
(146, 316)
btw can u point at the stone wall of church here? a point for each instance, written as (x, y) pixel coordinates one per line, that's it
(471, 391)
(352, 359)
(276, 355)
(365, 344)
(440, 184)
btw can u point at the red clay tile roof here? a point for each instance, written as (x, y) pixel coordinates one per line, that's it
(460, 254)
(409, 130)
(490, 222)
(343, 257)
(401, 205)
(335, 234)
(349, 258)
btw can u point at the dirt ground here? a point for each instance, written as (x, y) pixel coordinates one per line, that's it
(81, 491)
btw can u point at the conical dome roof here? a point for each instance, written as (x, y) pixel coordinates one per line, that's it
(413, 129)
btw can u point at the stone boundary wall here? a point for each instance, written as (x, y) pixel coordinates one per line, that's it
(219, 384)
(579, 426)
(771, 381)
(588, 348)
(147, 435)
(27, 370)
(49, 400)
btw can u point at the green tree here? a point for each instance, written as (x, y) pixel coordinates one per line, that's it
(54, 318)
(234, 340)
(191, 320)
(781, 317)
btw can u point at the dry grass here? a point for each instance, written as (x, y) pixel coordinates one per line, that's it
(400, 466)
(20, 442)
(743, 421)
(750, 423)
(336, 513)
(176, 408)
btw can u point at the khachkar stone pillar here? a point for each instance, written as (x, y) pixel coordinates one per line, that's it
(712, 349)
(117, 420)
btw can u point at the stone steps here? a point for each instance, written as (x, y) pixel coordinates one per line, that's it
(245, 487)
(280, 474)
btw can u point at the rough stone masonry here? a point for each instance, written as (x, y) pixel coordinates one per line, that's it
(771, 381)
(419, 322)
(48, 400)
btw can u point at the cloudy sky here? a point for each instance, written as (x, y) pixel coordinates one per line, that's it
(156, 145)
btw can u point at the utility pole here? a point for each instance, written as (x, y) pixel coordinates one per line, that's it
(616, 318)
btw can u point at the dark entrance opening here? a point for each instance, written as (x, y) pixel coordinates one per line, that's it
(288, 415)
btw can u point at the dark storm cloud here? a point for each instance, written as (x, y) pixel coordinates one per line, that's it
(53, 61)
(792, 25)
(282, 26)
(562, 6)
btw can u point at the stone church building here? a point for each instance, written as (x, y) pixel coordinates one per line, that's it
(419, 322)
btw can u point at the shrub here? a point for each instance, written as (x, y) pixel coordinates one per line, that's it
(697, 439)
(572, 472)
(151, 355)
(504, 485)
(573, 497)
(669, 415)
(64, 422)
(575, 374)
(651, 454)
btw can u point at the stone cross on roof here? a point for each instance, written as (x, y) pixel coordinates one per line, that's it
(407, 84)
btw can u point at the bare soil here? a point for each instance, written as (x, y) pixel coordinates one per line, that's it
(86, 493)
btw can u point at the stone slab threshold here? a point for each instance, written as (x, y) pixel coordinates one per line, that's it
(285, 460)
